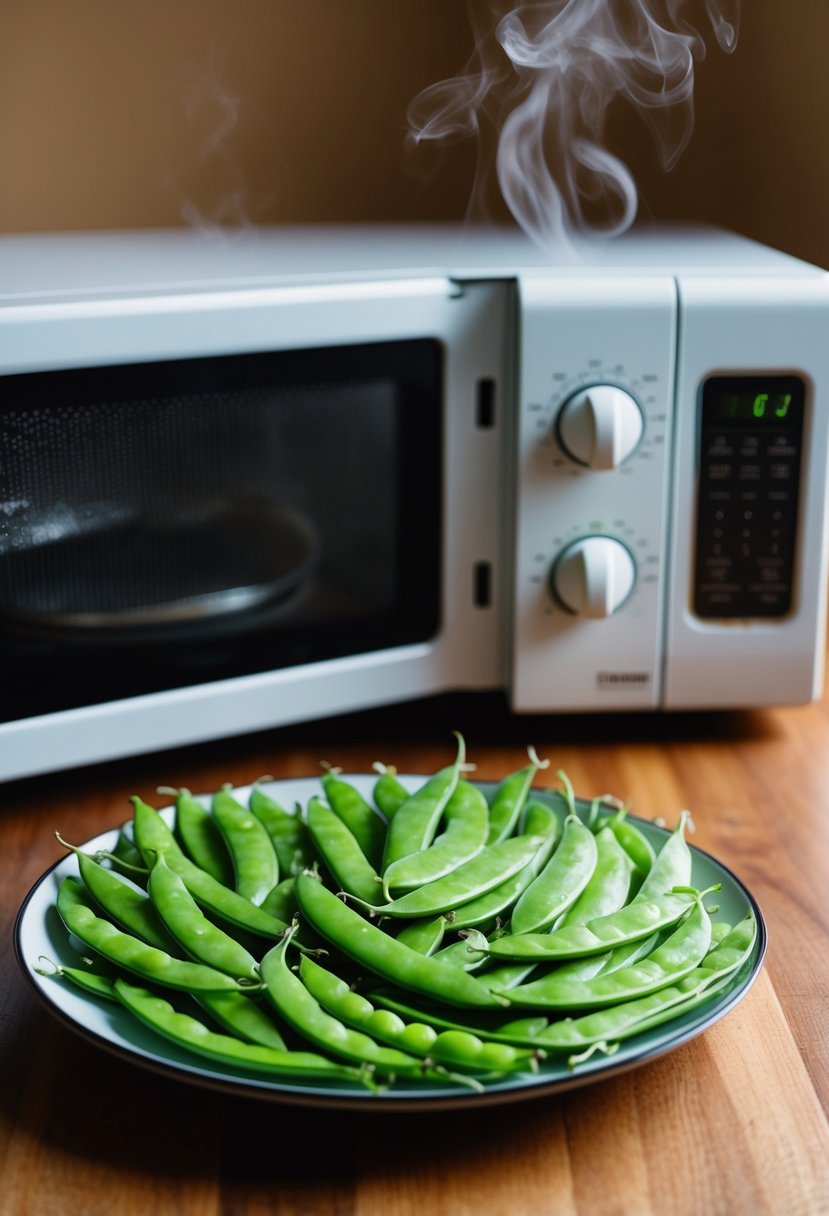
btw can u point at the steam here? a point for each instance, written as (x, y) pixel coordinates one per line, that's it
(543, 77)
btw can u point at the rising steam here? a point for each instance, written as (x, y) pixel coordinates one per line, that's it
(542, 78)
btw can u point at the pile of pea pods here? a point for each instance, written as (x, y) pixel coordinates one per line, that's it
(429, 934)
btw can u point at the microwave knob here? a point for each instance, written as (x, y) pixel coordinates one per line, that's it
(600, 426)
(593, 576)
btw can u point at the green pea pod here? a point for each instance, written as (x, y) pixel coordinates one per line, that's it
(382, 954)
(361, 819)
(93, 983)
(679, 954)
(540, 821)
(255, 864)
(640, 918)
(341, 853)
(194, 1036)
(466, 819)
(197, 936)
(458, 1049)
(281, 901)
(510, 798)
(303, 1013)
(635, 843)
(423, 935)
(131, 954)
(240, 1015)
(487, 869)
(388, 793)
(152, 835)
(633, 1017)
(127, 905)
(608, 887)
(415, 822)
(125, 849)
(288, 833)
(200, 837)
(560, 883)
(672, 867)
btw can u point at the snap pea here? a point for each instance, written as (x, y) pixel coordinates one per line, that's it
(341, 853)
(415, 821)
(463, 953)
(288, 833)
(255, 864)
(197, 936)
(635, 843)
(127, 905)
(125, 849)
(129, 952)
(487, 869)
(423, 935)
(388, 793)
(239, 1014)
(281, 901)
(466, 818)
(199, 836)
(193, 1035)
(635, 920)
(304, 1014)
(153, 836)
(632, 1017)
(672, 867)
(485, 909)
(91, 982)
(608, 886)
(361, 819)
(368, 945)
(510, 798)
(560, 882)
(669, 962)
(459, 1049)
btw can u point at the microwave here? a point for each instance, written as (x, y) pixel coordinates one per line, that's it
(259, 478)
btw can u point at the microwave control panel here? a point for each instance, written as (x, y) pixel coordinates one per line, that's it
(751, 438)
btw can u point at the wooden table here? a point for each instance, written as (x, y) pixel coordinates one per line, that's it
(733, 1122)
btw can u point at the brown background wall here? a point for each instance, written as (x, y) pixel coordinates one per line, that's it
(131, 113)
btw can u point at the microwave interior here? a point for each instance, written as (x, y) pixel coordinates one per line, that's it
(171, 523)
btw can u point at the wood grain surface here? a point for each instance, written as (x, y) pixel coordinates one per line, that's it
(733, 1122)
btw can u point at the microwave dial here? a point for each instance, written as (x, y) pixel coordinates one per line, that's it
(593, 577)
(600, 426)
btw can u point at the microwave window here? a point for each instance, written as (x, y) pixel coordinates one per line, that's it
(174, 523)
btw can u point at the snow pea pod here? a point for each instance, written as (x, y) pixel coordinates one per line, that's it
(240, 1015)
(304, 1014)
(415, 821)
(288, 833)
(540, 821)
(608, 887)
(672, 867)
(510, 798)
(199, 835)
(153, 836)
(632, 1017)
(341, 853)
(197, 936)
(360, 818)
(388, 793)
(635, 843)
(91, 982)
(466, 818)
(255, 864)
(367, 944)
(424, 934)
(458, 1049)
(635, 920)
(193, 1035)
(678, 954)
(487, 869)
(127, 905)
(561, 881)
(129, 952)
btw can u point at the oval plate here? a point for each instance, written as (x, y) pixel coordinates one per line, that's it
(40, 934)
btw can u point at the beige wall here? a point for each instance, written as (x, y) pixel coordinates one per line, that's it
(129, 113)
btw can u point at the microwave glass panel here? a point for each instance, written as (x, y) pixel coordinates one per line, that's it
(173, 523)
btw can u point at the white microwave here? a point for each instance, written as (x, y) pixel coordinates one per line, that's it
(252, 480)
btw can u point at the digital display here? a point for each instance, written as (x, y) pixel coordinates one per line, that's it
(757, 401)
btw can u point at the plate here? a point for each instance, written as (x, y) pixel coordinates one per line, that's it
(40, 934)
